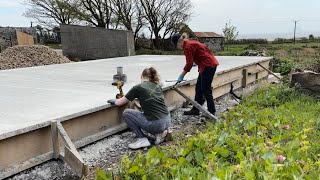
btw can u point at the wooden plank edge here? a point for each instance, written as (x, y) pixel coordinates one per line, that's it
(12, 170)
(103, 134)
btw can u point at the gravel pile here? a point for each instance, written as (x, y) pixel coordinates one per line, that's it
(29, 56)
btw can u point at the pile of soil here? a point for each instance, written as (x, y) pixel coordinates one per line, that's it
(29, 56)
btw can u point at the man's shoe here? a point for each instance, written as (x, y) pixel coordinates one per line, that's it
(192, 112)
(140, 143)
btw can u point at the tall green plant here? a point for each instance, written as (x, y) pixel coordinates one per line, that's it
(230, 32)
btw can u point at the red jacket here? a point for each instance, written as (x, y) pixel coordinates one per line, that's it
(199, 54)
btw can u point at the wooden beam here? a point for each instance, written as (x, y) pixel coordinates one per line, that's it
(71, 155)
(101, 135)
(65, 137)
(12, 170)
(270, 72)
(55, 140)
(197, 105)
(227, 82)
(244, 78)
(73, 159)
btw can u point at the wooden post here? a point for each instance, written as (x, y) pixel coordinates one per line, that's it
(65, 137)
(55, 140)
(269, 71)
(244, 78)
(197, 105)
(71, 155)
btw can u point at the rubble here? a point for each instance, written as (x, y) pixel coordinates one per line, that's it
(29, 56)
(254, 53)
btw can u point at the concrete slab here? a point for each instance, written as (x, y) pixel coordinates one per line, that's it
(30, 98)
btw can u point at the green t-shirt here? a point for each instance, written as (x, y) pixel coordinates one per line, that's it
(151, 99)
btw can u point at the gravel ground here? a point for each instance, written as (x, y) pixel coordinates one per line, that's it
(107, 153)
(29, 56)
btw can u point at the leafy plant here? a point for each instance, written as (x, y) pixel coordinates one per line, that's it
(272, 135)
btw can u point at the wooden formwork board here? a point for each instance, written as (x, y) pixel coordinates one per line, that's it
(23, 151)
(24, 39)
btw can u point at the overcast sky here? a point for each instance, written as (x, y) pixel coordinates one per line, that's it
(250, 16)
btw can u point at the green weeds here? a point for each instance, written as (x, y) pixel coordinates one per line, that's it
(273, 134)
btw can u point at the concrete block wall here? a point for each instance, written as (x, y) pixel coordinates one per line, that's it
(87, 43)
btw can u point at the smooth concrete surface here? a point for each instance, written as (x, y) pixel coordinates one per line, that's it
(30, 98)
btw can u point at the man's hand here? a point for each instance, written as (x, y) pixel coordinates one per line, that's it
(112, 101)
(180, 78)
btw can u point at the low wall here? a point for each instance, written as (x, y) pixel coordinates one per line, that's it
(87, 43)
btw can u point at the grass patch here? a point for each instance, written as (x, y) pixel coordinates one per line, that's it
(54, 46)
(273, 134)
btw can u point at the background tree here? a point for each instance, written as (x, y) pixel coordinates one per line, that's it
(51, 12)
(230, 32)
(311, 38)
(164, 15)
(177, 17)
(129, 14)
(95, 12)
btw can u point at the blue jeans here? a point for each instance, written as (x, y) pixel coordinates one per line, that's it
(137, 121)
(204, 89)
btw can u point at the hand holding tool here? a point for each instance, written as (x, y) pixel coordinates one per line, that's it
(112, 101)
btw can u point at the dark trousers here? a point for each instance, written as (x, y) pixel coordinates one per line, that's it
(204, 90)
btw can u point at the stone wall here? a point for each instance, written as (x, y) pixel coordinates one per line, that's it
(214, 44)
(87, 43)
(307, 80)
(8, 35)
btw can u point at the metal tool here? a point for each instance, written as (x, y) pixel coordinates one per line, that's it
(173, 80)
(119, 80)
(205, 112)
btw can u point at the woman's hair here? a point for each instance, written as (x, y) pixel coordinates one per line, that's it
(184, 36)
(152, 74)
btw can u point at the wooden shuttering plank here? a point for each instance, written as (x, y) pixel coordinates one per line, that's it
(197, 105)
(71, 155)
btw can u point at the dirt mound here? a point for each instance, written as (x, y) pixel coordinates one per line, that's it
(29, 56)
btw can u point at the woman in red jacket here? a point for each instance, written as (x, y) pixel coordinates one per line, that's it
(199, 54)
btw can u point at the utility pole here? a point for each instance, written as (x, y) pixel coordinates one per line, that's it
(295, 30)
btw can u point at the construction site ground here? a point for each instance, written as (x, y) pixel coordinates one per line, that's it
(34, 97)
(107, 153)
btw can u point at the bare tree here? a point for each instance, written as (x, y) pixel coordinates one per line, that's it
(165, 14)
(51, 12)
(96, 12)
(177, 17)
(130, 15)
